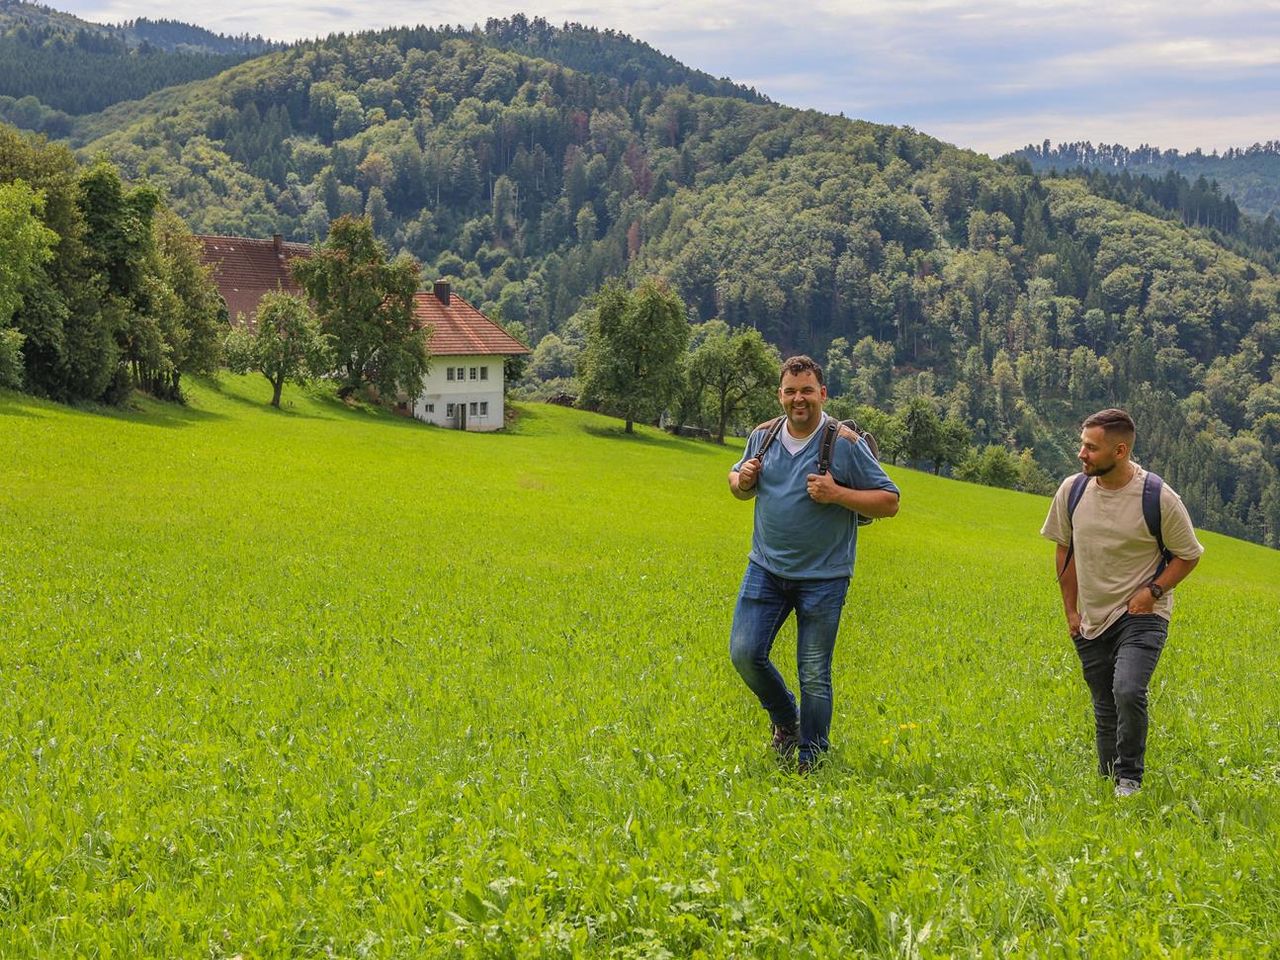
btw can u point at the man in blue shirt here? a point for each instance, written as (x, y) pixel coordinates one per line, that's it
(802, 554)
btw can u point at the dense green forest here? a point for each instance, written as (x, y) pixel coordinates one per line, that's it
(1198, 204)
(163, 34)
(1249, 175)
(1011, 302)
(58, 66)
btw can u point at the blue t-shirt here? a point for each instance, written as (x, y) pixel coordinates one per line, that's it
(795, 537)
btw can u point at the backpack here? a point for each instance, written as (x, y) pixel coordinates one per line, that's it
(1151, 514)
(830, 430)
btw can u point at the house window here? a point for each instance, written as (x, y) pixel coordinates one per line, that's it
(473, 373)
(429, 407)
(462, 375)
(484, 373)
(473, 408)
(484, 408)
(448, 409)
(449, 376)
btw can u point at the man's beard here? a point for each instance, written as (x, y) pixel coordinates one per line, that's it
(1101, 471)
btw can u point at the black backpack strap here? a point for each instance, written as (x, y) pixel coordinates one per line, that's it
(1078, 487)
(771, 428)
(1151, 513)
(830, 430)
(830, 434)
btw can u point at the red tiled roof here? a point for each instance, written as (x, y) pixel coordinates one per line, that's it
(460, 329)
(245, 269)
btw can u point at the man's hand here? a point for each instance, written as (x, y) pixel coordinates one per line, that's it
(1073, 623)
(823, 488)
(742, 483)
(1142, 601)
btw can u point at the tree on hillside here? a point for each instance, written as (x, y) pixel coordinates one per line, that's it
(993, 466)
(921, 430)
(68, 352)
(953, 443)
(736, 371)
(27, 244)
(365, 304)
(838, 368)
(631, 361)
(863, 372)
(119, 247)
(195, 318)
(513, 367)
(871, 381)
(286, 346)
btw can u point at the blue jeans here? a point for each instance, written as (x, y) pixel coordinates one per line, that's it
(764, 603)
(1118, 665)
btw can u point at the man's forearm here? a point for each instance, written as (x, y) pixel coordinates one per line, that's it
(1176, 572)
(869, 503)
(1066, 578)
(737, 490)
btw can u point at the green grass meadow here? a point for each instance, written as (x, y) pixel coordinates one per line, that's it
(324, 682)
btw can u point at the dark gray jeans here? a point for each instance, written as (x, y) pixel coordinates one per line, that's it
(1118, 665)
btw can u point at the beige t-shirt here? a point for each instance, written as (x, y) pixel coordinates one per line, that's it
(1115, 553)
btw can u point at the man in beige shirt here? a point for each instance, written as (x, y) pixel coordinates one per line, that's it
(1117, 584)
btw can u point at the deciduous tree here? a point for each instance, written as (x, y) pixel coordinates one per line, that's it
(365, 304)
(286, 346)
(736, 370)
(635, 340)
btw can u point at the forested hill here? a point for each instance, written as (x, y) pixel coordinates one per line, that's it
(54, 65)
(173, 36)
(1015, 302)
(1249, 175)
(606, 52)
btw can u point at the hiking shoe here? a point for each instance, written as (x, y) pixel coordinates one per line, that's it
(1126, 787)
(785, 740)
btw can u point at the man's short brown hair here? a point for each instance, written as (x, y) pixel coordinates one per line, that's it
(800, 364)
(1113, 422)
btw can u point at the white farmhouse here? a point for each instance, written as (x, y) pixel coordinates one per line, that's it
(464, 387)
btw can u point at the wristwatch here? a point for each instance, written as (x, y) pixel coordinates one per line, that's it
(1157, 591)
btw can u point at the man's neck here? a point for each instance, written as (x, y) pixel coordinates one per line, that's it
(1119, 477)
(808, 433)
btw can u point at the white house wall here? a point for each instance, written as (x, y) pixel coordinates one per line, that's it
(439, 392)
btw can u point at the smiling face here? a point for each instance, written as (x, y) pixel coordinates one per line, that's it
(1100, 452)
(802, 397)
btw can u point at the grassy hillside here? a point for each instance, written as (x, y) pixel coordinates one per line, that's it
(325, 680)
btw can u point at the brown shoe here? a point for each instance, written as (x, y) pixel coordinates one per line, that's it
(785, 740)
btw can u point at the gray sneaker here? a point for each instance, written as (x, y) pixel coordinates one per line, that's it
(1126, 787)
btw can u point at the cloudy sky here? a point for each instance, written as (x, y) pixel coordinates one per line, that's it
(991, 75)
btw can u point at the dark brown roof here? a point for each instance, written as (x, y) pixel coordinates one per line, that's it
(460, 329)
(245, 269)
